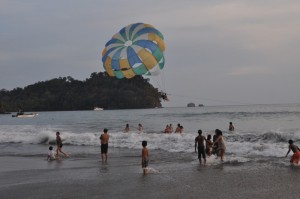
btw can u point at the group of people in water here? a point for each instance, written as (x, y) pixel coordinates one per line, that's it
(169, 129)
(204, 146)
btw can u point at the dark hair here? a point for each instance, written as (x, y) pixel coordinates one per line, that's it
(199, 131)
(291, 141)
(105, 130)
(50, 148)
(144, 143)
(208, 137)
(58, 132)
(218, 132)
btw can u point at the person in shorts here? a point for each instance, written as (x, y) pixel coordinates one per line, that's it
(104, 145)
(199, 141)
(296, 156)
(144, 157)
(59, 146)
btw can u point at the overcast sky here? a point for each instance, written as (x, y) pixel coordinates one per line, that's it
(217, 52)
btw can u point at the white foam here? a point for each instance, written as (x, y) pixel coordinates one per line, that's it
(269, 144)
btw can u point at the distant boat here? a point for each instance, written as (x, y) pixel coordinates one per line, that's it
(98, 109)
(25, 115)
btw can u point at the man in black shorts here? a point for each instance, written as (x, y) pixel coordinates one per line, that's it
(104, 144)
(199, 140)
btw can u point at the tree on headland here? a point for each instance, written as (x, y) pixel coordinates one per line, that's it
(66, 93)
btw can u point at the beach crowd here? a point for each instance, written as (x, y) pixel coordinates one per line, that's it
(204, 146)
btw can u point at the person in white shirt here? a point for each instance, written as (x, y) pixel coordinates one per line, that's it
(51, 154)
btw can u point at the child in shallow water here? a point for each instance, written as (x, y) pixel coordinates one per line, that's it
(51, 154)
(144, 157)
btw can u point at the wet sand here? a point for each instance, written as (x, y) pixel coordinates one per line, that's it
(173, 175)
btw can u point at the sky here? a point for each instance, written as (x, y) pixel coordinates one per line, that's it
(232, 52)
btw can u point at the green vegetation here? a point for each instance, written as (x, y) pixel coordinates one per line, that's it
(66, 93)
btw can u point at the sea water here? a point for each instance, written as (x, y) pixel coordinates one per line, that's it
(261, 131)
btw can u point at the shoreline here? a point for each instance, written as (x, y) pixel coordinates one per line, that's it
(172, 175)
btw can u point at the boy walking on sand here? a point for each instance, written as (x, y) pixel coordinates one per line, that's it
(104, 144)
(144, 157)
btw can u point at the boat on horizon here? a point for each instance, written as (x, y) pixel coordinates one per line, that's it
(98, 109)
(25, 115)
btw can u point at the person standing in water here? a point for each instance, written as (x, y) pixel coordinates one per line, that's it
(177, 130)
(59, 145)
(145, 157)
(127, 129)
(104, 144)
(140, 128)
(296, 156)
(199, 140)
(231, 127)
(221, 143)
(208, 145)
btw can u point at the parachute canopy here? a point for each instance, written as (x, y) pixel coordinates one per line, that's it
(136, 49)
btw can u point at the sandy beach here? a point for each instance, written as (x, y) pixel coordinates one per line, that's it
(172, 175)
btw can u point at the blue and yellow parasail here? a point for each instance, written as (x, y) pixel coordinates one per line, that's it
(137, 49)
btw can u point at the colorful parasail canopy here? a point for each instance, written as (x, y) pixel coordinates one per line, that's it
(136, 49)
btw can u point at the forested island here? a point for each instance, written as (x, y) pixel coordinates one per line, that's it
(66, 93)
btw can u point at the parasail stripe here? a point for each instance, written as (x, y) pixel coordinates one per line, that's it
(113, 41)
(132, 28)
(148, 59)
(158, 40)
(123, 33)
(146, 44)
(132, 57)
(140, 70)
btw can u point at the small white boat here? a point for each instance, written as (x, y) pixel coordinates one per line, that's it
(98, 109)
(25, 115)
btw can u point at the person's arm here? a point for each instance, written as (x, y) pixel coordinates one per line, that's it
(288, 151)
(196, 145)
(217, 140)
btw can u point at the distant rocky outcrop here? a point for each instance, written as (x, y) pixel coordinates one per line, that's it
(66, 93)
(191, 105)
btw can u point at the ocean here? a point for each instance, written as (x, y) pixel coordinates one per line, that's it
(261, 131)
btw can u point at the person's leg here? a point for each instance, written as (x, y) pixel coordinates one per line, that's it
(66, 155)
(222, 152)
(57, 152)
(199, 155)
